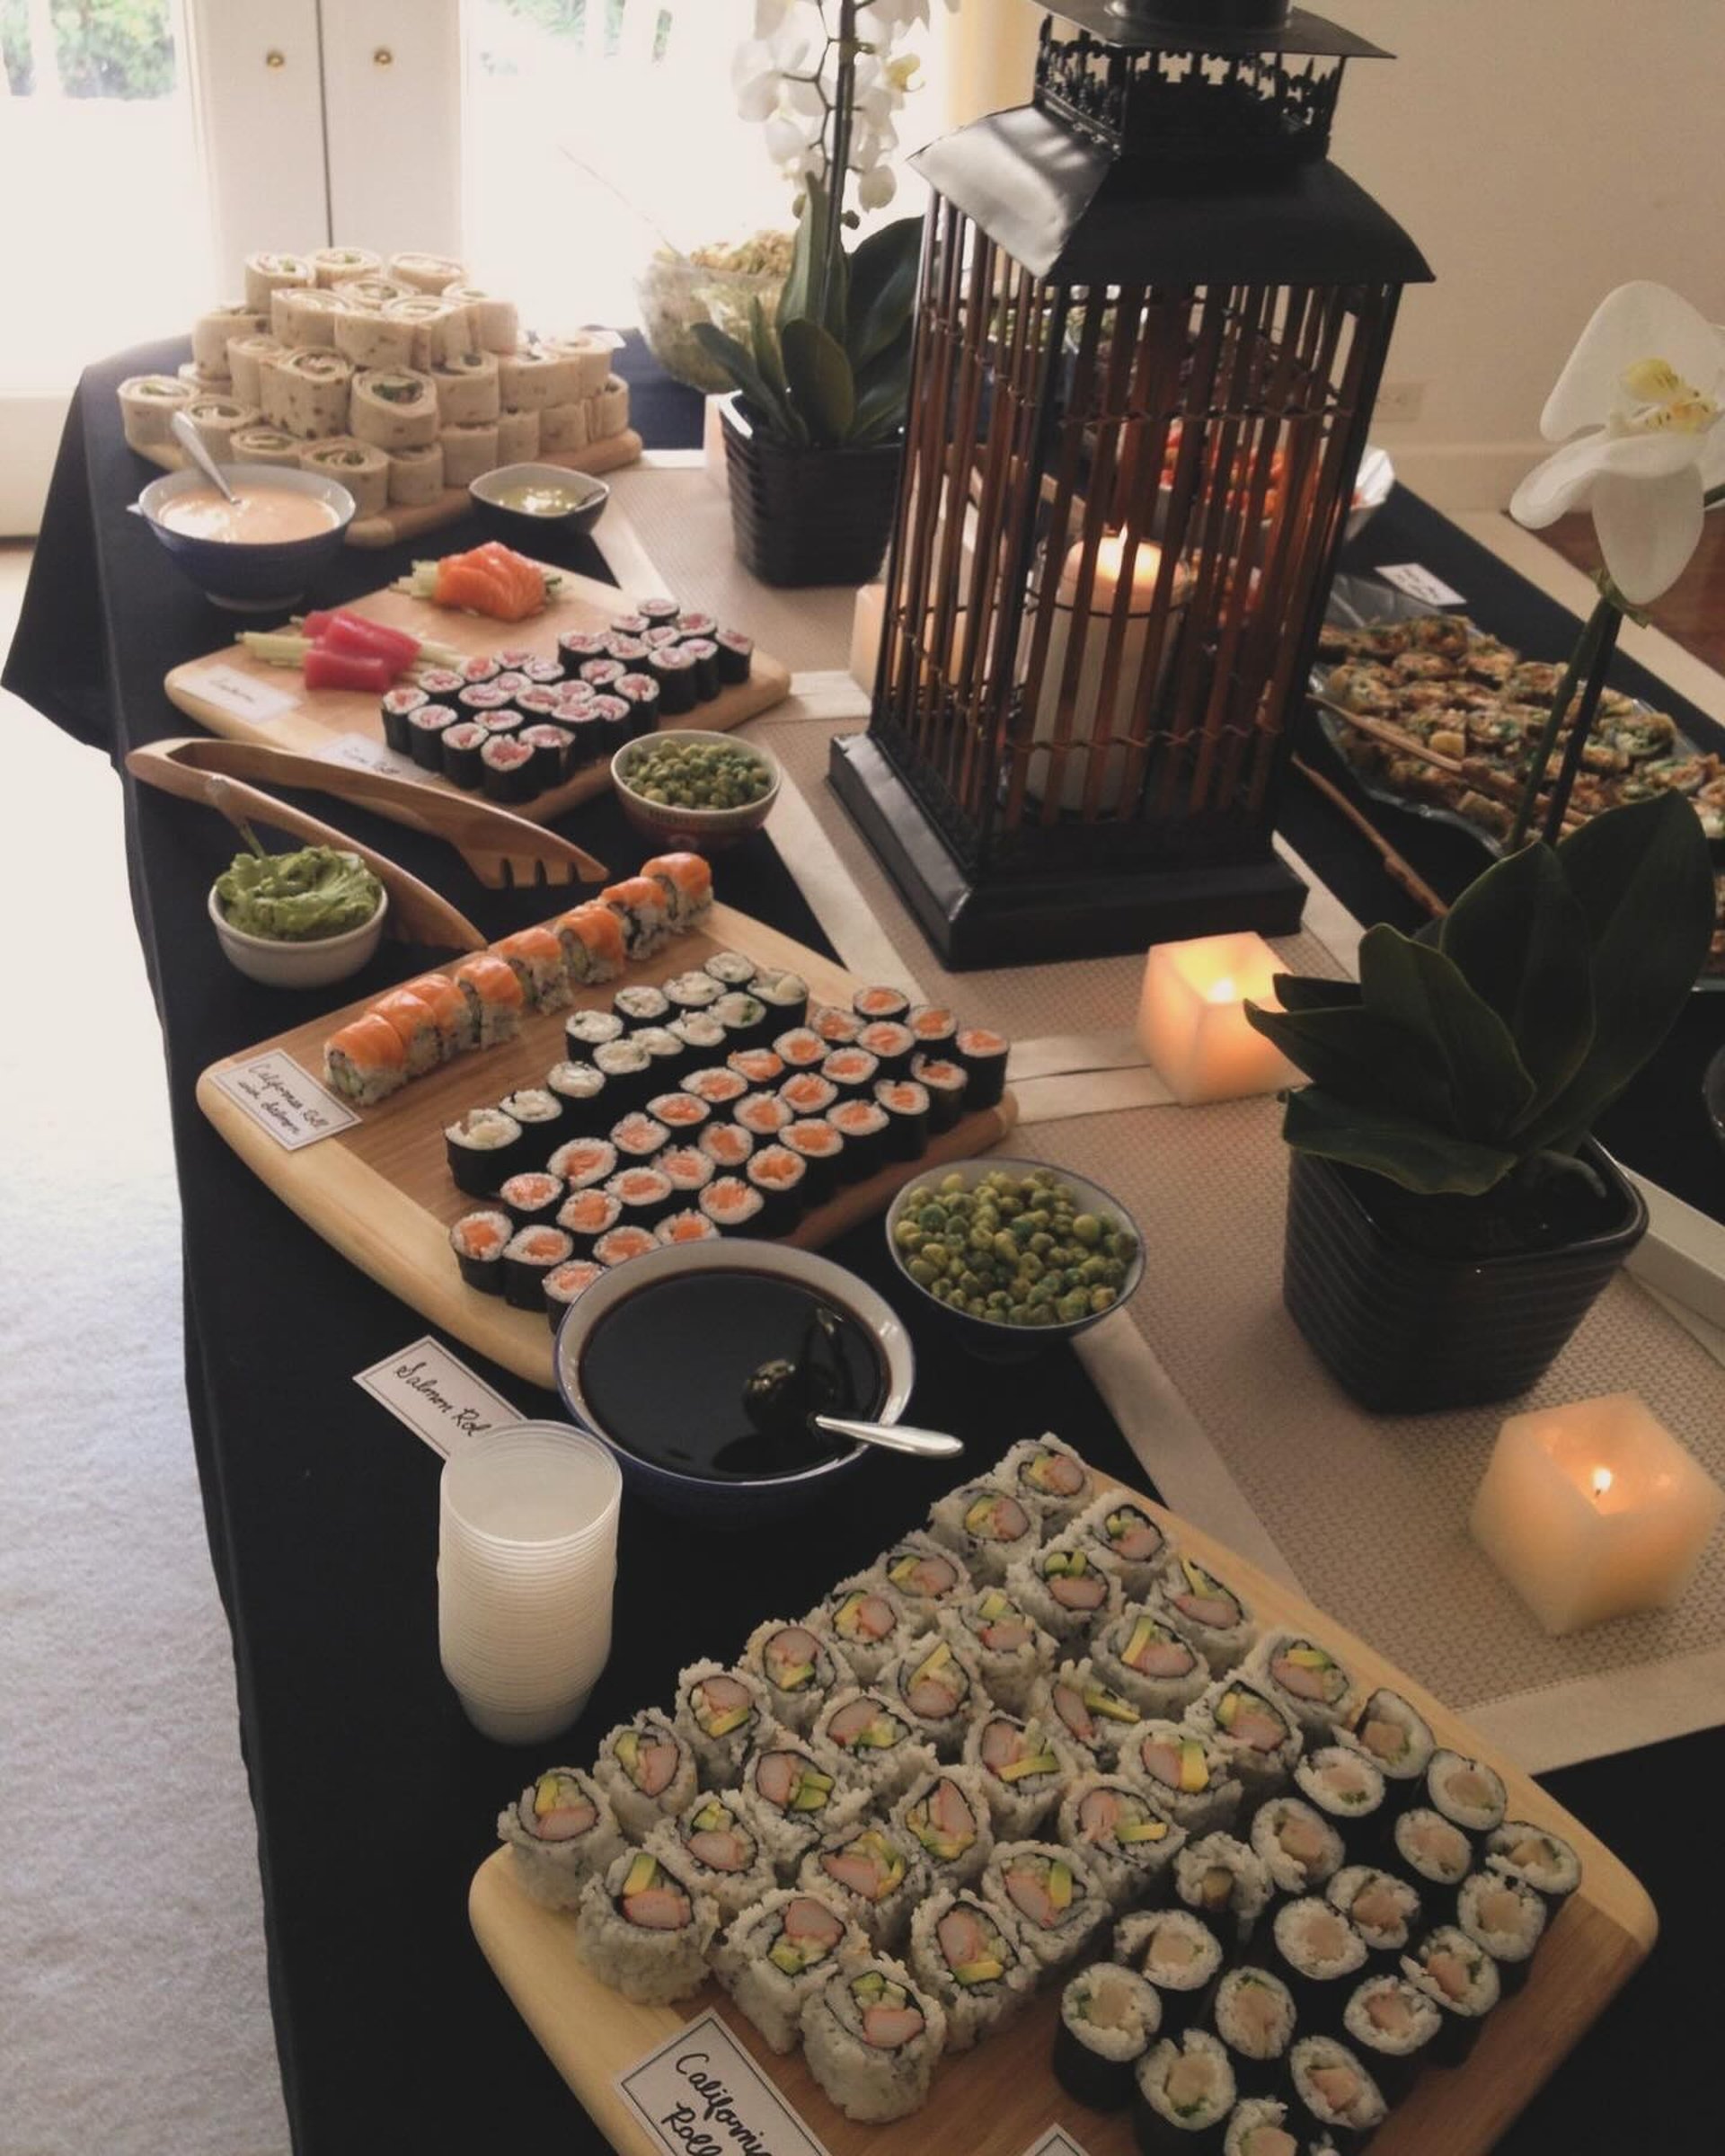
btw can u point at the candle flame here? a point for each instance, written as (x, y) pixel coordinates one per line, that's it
(1223, 991)
(1601, 1481)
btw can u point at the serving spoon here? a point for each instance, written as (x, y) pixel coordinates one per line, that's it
(892, 1436)
(192, 442)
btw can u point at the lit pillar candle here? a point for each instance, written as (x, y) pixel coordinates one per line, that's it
(1593, 1511)
(868, 624)
(1086, 711)
(1192, 1023)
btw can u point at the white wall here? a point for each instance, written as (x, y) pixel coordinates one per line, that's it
(1540, 152)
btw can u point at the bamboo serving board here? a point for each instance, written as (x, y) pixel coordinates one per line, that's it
(381, 1192)
(319, 718)
(1001, 2097)
(389, 527)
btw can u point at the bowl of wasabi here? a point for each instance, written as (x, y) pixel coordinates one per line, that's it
(298, 920)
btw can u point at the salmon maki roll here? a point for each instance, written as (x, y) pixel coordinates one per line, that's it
(493, 994)
(417, 1026)
(686, 882)
(591, 936)
(537, 958)
(449, 1006)
(366, 1062)
(643, 915)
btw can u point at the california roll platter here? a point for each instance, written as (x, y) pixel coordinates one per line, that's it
(967, 1851)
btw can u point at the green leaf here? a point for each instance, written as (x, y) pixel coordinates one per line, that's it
(739, 365)
(1388, 1142)
(883, 288)
(883, 392)
(1308, 992)
(1644, 880)
(1424, 992)
(770, 364)
(1361, 1055)
(801, 298)
(1520, 937)
(822, 388)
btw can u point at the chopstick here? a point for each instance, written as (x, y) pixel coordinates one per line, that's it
(1399, 871)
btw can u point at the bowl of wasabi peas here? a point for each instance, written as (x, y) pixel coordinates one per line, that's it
(1014, 1255)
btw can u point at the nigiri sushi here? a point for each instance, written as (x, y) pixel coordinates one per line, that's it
(365, 1061)
(493, 994)
(593, 946)
(686, 882)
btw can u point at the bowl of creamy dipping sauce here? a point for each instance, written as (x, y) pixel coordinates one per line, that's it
(260, 553)
(518, 500)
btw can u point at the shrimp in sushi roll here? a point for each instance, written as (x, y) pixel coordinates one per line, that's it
(366, 1062)
(687, 882)
(778, 1954)
(639, 905)
(647, 1770)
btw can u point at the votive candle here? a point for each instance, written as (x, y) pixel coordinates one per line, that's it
(1192, 1023)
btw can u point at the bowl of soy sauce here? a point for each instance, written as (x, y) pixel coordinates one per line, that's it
(700, 1365)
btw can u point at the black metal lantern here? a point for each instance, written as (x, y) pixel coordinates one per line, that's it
(1151, 321)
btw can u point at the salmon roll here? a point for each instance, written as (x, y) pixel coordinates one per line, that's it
(647, 1772)
(792, 1800)
(456, 1031)
(982, 1057)
(1383, 1909)
(1051, 1895)
(852, 1073)
(1218, 1879)
(528, 1256)
(733, 1205)
(944, 1083)
(1139, 1655)
(494, 995)
(639, 1138)
(531, 1198)
(727, 1147)
(1185, 2091)
(763, 1115)
(797, 1667)
(1128, 1844)
(778, 1954)
(1319, 1956)
(688, 1226)
(879, 1002)
(1050, 1478)
(1397, 1739)
(1108, 2017)
(839, 1029)
(971, 1959)
(536, 957)
(935, 1029)
(806, 1093)
(559, 1834)
(711, 1846)
(872, 2039)
(892, 1045)
(1333, 2092)
(862, 1125)
(1097, 1722)
(1205, 1609)
(1296, 1845)
(937, 1686)
(628, 1240)
(719, 1713)
(869, 1623)
(1254, 2015)
(642, 1928)
(865, 1734)
(593, 944)
(566, 1284)
(1392, 2025)
(585, 1163)
(1306, 1679)
(639, 905)
(1257, 1736)
(801, 1049)
(416, 1023)
(1024, 1766)
(946, 1813)
(478, 1241)
(761, 1066)
(718, 1085)
(874, 1873)
(643, 1195)
(687, 1170)
(906, 1109)
(483, 1147)
(1066, 1586)
(366, 1062)
(821, 1150)
(1185, 1772)
(1179, 1954)
(1123, 1533)
(1012, 1651)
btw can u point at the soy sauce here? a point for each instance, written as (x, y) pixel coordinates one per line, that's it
(674, 1374)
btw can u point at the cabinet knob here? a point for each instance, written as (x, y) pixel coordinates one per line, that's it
(272, 59)
(383, 57)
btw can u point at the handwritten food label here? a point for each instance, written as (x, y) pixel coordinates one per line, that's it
(429, 1388)
(285, 1101)
(700, 2094)
(243, 695)
(1420, 583)
(1057, 2142)
(369, 755)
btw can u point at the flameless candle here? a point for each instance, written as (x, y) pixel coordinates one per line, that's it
(1110, 568)
(1593, 1511)
(1192, 1021)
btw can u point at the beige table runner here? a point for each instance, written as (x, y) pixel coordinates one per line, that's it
(1204, 1371)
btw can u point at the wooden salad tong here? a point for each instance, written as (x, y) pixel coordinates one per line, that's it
(416, 914)
(500, 849)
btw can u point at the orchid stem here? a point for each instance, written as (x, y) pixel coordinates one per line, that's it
(1603, 618)
(1585, 711)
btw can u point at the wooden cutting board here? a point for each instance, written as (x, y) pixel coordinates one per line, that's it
(389, 527)
(381, 1193)
(236, 695)
(1001, 2098)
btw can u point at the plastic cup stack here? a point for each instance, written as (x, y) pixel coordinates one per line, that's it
(526, 1560)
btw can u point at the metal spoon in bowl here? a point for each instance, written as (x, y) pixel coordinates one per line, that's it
(892, 1436)
(192, 442)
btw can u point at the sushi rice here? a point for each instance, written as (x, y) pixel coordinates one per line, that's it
(971, 1957)
(1012, 1652)
(560, 1832)
(642, 1928)
(873, 1872)
(1051, 1892)
(778, 1954)
(871, 2038)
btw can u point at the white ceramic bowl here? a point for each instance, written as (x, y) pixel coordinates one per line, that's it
(281, 965)
(692, 830)
(245, 576)
(520, 524)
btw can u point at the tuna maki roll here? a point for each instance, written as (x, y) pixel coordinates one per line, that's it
(704, 653)
(874, 1874)
(736, 656)
(1255, 2016)
(506, 774)
(559, 1834)
(1185, 1772)
(1179, 1954)
(1024, 1765)
(778, 1954)
(426, 727)
(477, 1239)
(1012, 1653)
(872, 2039)
(397, 708)
(484, 1148)
(987, 1525)
(720, 1712)
(797, 1668)
(711, 1846)
(1185, 2092)
(1051, 1894)
(1129, 1844)
(1218, 1879)
(644, 1929)
(946, 1813)
(463, 750)
(550, 745)
(647, 1770)
(1108, 2017)
(972, 1961)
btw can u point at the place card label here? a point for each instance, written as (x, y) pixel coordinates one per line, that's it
(243, 695)
(285, 1101)
(700, 2094)
(428, 1387)
(1057, 2142)
(1419, 583)
(366, 754)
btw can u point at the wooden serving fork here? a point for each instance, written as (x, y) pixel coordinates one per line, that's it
(416, 914)
(500, 849)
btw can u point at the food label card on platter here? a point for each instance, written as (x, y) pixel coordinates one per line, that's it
(700, 2094)
(242, 695)
(285, 1101)
(370, 756)
(1057, 2142)
(1419, 583)
(428, 1387)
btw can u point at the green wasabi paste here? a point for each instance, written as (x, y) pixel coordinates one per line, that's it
(297, 897)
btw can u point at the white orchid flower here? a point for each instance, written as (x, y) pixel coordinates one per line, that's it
(1643, 395)
(755, 79)
(769, 14)
(876, 189)
(786, 141)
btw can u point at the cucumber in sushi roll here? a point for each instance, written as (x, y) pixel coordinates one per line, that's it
(560, 1832)
(868, 1621)
(1254, 2015)
(937, 1686)
(872, 2039)
(926, 1576)
(1383, 1909)
(1302, 1676)
(1206, 1610)
(791, 1800)
(1185, 2091)
(974, 1962)
(1129, 1843)
(860, 1733)
(1012, 1653)
(778, 1954)
(712, 1845)
(1066, 1588)
(1051, 1894)
(1050, 1477)
(1024, 1768)
(1461, 1981)
(1218, 1879)
(1096, 1721)
(1392, 2025)
(946, 1813)
(1178, 1953)
(1185, 1772)
(720, 1712)
(873, 1871)
(1333, 2091)
(1140, 1654)
(643, 1928)
(1108, 2017)
(647, 1770)
(1296, 1845)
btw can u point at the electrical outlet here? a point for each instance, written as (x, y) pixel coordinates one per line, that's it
(1400, 401)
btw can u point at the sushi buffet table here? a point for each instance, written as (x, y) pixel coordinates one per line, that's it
(373, 1797)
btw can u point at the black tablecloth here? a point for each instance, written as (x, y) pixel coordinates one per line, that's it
(374, 1797)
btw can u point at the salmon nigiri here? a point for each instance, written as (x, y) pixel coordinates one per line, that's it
(491, 579)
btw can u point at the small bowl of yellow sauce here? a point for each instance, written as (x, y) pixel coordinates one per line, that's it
(260, 553)
(522, 500)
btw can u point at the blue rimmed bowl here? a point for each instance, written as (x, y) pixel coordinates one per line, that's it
(732, 1501)
(247, 576)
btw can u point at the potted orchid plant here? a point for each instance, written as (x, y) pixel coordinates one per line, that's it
(1450, 1217)
(814, 430)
